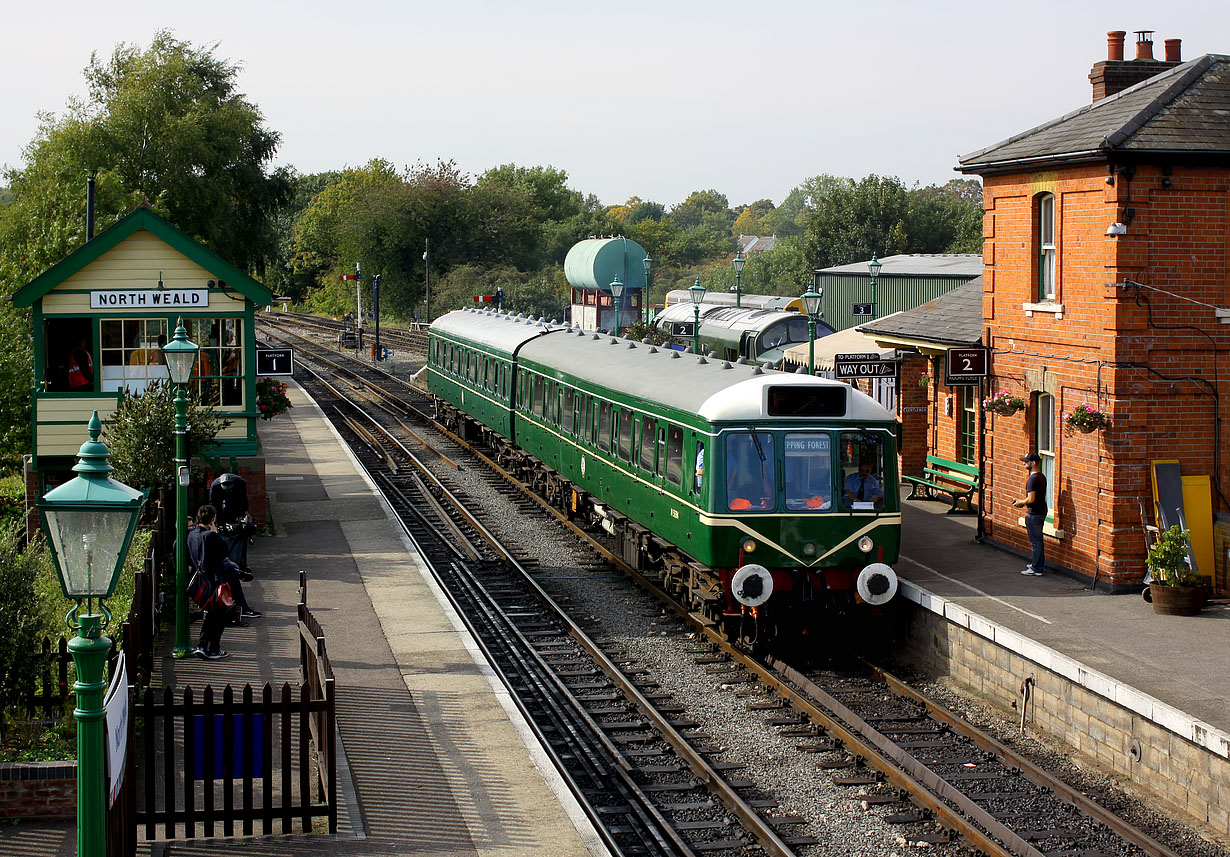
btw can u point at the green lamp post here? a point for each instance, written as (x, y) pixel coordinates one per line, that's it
(738, 264)
(648, 263)
(617, 296)
(697, 294)
(180, 354)
(89, 522)
(873, 267)
(811, 306)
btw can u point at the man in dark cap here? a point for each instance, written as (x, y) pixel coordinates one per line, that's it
(229, 495)
(1034, 503)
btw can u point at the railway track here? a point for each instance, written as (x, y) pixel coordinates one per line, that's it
(943, 782)
(340, 333)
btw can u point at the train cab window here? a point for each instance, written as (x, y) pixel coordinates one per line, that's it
(568, 409)
(625, 434)
(648, 432)
(604, 426)
(808, 467)
(862, 471)
(751, 472)
(674, 455)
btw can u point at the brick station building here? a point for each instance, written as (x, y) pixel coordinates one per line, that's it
(1105, 283)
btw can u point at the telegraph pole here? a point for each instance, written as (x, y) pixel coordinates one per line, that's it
(427, 282)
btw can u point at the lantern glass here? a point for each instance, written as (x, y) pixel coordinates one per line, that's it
(617, 289)
(739, 262)
(874, 267)
(648, 263)
(697, 293)
(180, 354)
(89, 547)
(811, 302)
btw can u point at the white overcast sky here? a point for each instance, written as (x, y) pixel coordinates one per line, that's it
(653, 99)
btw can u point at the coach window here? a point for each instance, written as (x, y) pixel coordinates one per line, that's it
(130, 351)
(604, 426)
(699, 471)
(568, 406)
(648, 431)
(625, 434)
(674, 455)
(1046, 246)
(751, 474)
(537, 406)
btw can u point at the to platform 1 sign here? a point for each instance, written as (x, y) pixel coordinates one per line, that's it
(965, 366)
(275, 361)
(864, 366)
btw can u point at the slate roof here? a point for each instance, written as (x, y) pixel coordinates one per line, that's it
(917, 265)
(954, 318)
(1183, 110)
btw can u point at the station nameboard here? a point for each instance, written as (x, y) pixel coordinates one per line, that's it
(965, 366)
(149, 298)
(275, 361)
(864, 366)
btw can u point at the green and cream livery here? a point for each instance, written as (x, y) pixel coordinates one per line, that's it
(768, 498)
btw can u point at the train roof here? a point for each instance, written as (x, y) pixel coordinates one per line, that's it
(683, 296)
(716, 390)
(717, 316)
(498, 331)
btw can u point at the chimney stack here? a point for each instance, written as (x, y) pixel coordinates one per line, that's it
(1116, 74)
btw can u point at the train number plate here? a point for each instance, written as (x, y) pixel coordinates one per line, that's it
(674, 513)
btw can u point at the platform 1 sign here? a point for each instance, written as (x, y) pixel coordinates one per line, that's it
(864, 366)
(275, 361)
(965, 366)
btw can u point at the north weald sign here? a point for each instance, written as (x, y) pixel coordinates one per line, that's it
(864, 366)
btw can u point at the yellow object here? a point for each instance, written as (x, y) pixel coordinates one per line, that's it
(1198, 514)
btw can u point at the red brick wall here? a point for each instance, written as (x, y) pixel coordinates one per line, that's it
(1109, 348)
(38, 790)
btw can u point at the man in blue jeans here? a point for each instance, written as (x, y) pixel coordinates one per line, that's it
(1034, 503)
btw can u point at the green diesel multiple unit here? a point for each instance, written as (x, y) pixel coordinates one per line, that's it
(756, 335)
(723, 477)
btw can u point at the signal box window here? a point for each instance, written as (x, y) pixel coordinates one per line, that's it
(674, 455)
(809, 471)
(604, 427)
(130, 351)
(625, 434)
(648, 431)
(750, 472)
(218, 376)
(862, 471)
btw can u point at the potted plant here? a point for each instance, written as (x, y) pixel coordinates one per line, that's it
(1085, 419)
(1175, 589)
(924, 380)
(1004, 403)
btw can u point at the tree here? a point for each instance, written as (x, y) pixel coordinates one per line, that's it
(849, 221)
(692, 211)
(754, 219)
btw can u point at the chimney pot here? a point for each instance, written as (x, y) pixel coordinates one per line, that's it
(1174, 50)
(1114, 45)
(1144, 44)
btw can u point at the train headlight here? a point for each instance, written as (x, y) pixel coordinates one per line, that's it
(809, 549)
(865, 544)
(748, 545)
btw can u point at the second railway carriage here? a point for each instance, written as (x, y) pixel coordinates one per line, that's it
(786, 302)
(757, 335)
(724, 477)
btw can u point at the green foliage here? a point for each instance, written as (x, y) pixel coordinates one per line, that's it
(141, 435)
(271, 398)
(1167, 559)
(25, 616)
(541, 294)
(12, 498)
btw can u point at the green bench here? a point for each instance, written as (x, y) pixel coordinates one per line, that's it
(960, 481)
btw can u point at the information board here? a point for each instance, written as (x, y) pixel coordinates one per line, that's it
(864, 366)
(965, 366)
(275, 361)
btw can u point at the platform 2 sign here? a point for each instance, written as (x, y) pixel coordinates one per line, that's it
(965, 366)
(864, 366)
(275, 361)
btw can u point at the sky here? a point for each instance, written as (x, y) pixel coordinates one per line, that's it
(646, 99)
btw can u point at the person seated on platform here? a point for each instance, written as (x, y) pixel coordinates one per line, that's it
(229, 495)
(199, 539)
(862, 487)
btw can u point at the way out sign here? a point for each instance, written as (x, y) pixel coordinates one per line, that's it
(864, 366)
(965, 366)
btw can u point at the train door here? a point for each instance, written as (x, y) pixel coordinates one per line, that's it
(747, 345)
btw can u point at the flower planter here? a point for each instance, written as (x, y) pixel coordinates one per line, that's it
(1177, 600)
(1086, 429)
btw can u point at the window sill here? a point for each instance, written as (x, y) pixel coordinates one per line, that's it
(1043, 306)
(1048, 529)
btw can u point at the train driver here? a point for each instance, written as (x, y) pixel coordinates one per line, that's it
(862, 487)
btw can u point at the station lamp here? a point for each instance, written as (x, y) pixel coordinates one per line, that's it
(180, 354)
(811, 306)
(617, 295)
(89, 522)
(697, 294)
(648, 263)
(873, 267)
(738, 264)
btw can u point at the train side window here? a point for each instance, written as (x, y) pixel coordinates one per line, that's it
(674, 455)
(648, 432)
(567, 410)
(604, 426)
(698, 482)
(537, 396)
(661, 450)
(625, 434)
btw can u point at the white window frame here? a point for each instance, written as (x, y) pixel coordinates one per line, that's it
(1044, 435)
(1046, 247)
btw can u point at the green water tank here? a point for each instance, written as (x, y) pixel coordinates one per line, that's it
(595, 262)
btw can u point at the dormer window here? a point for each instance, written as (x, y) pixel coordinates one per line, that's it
(1046, 247)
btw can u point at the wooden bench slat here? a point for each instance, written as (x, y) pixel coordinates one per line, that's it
(957, 480)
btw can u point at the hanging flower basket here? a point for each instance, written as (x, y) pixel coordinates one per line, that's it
(1085, 419)
(1004, 404)
(924, 380)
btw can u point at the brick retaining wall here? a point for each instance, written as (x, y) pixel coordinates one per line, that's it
(42, 790)
(1097, 717)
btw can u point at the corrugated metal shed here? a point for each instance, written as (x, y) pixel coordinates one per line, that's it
(906, 280)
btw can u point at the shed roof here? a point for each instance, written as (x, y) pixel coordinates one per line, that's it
(848, 341)
(917, 265)
(140, 218)
(952, 319)
(1184, 110)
